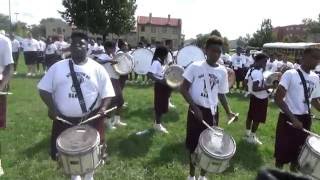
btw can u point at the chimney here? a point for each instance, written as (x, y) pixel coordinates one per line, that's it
(150, 17)
(169, 17)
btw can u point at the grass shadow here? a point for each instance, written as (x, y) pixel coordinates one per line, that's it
(170, 153)
(41, 147)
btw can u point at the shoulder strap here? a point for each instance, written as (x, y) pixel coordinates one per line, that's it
(304, 83)
(76, 85)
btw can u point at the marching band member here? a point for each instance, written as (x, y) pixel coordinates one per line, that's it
(258, 98)
(75, 89)
(297, 90)
(161, 90)
(51, 53)
(6, 71)
(40, 56)
(30, 51)
(15, 52)
(196, 93)
(238, 61)
(62, 46)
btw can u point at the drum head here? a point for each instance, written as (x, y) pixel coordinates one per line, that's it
(231, 77)
(271, 77)
(124, 65)
(78, 139)
(189, 54)
(217, 143)
(314, 143)
(142, 60)
(173, 75)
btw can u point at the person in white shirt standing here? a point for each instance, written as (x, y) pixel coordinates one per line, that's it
(15, 52)
(297, 91)
(41, 57)
(204, 79)
(30, 51)
(51, 53)
(238, 61)
(257, 112)
(6, 71)
(71, 81)
(161, 90)
(62, 46)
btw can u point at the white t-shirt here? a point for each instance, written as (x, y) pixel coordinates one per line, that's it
(256, 75)
(42, 46)
(5, 53)
(104, 58)
(270, 66)
(249, 61)
(238, 61)
(51, 49)
(294, 98)
(94, 82)
(61, 45)
(30, 45)
(157, 69)
(225, 57)
(296, 66)
(15, 45)
(99, 48)
(218, 78)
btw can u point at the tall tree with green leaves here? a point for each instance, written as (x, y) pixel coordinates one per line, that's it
(4, 22)
(101, 16)
(313, 26)
(263, 35)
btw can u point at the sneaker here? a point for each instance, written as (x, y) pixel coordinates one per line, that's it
(28, 74)
(117, 121)
(246, 94)
(191, 178)
(33, 75)
(202, 178)
(125, 104)
(77, 177)
(15, 73)
(1, 169)
(160, 128)
(254, 140)
(88, 176)
(246, 137)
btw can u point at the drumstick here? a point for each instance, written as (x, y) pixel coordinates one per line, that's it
(6, 93)
(233, 118)
(64, 121)
(98, 115)
(304, 130)
(206, 124)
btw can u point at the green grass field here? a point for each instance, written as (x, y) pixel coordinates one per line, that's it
(25, 141)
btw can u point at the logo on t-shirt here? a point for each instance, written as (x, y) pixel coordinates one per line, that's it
(213, 81)
(81, 77)
(310, 87)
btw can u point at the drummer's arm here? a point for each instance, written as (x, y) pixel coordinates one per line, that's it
(7, 73)
(184, 90)
(105, 104)
(224, 102)
(152, 76)
(48, 100)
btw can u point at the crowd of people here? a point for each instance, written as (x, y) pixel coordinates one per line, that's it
(80, 82)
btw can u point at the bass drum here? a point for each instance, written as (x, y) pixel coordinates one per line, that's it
(142, 60)
(189, 54)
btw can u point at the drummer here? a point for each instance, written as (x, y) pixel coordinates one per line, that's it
(295, 108)
(6, 71)
(62, 96)
(196, 94)
(257, 112)
(161, 90)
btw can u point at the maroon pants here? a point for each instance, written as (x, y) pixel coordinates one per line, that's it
(290, 140)
(257, 109)
(161, 98)
(3, 111)
(58, 127)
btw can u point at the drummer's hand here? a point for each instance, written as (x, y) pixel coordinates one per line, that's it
(53, 114)
(102, 110)
(297, 124)
(232, 115)
(197, 112)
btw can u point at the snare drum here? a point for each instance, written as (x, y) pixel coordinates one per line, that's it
(142, 60)
(189, 54)
(78, 149)
(309, 158)
(271, 78)
(173, 76)
(124, 64)
(214, 151)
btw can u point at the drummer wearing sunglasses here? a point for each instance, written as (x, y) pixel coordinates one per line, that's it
(203, 100)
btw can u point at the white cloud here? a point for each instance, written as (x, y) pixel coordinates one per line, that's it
(231, 17)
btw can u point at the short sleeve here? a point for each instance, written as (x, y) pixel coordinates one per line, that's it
(316, 91)
(106, 89)
(285, 80)
(256, 76)
(6, 58)
(189, 73)
(46, 83)
(223, 83)
(154, 68)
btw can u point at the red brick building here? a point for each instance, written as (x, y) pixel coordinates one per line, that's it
(291, 32)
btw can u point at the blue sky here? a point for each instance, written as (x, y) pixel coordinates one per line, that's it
(231, 17)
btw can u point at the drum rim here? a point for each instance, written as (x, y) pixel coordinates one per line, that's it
(144, 49)
(73, 153)
(131, 67)
(222, 157)
(190, 45)
(310, 146)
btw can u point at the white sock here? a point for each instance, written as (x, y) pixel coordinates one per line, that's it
(89, 176)
(248, 132)
(73, 177)
(116, 119)
(253, 134)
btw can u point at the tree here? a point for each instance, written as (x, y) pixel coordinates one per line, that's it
(215, 32)
(101, 16)
(4, 23)
(38, 30)
(201, 39)
(263, 35)
(226, 46)
(313, 26)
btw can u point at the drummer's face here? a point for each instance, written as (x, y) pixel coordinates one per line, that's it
(213, 53)
(78, 49)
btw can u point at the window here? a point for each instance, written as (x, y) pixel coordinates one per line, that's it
(153, 40)
(63, 30)
(174, 31)
(142, 28)
(142, 39)
(54, 29)
(164, 29)
(153, 29)
(59, 30)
